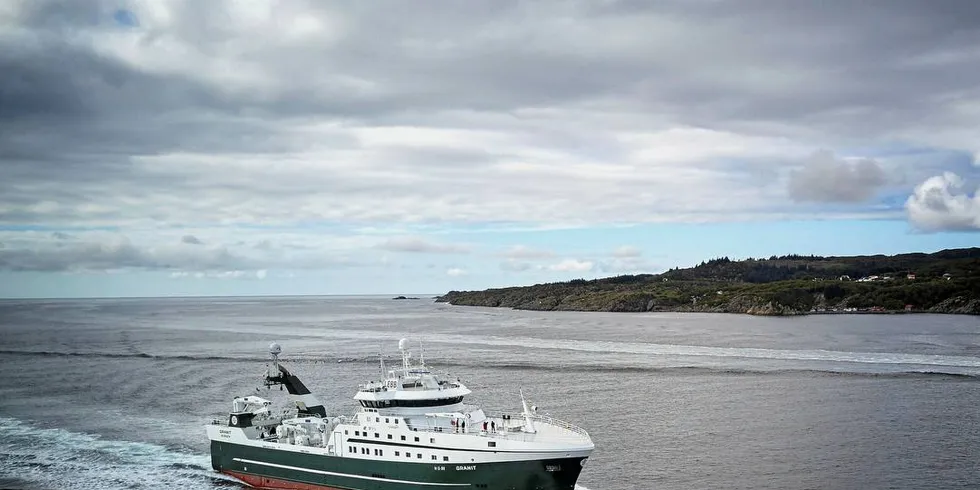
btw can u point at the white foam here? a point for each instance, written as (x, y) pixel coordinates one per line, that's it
(58, 458)
(651, 349)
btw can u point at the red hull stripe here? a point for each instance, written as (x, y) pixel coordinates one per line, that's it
(265, 482)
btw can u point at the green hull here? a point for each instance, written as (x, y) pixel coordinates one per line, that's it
(272, 468)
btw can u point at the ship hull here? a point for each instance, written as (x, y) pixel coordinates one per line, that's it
(276, 469)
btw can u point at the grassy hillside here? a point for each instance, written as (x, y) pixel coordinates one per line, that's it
(946, 281)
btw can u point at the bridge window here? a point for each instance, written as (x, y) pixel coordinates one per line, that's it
(492, 444)
(409, 403)
(398, 453)
(389, 436)
(445, 458)
(434, 458)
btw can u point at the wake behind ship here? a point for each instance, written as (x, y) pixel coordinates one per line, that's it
(412, 431)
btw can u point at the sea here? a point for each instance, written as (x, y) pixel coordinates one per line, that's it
(115, 393)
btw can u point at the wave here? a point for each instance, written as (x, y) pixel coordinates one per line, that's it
(716, 371)
(651, 349)
(58, 458)
(177, 357)
(842, 370)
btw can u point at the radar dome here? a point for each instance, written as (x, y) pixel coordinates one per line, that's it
(274, 349)
(403, 344)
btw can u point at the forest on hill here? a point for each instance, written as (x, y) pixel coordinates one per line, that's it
(943, 282)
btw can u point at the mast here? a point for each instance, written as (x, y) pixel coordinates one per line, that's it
(305, 402)
(528, 413)
(403, 346)
(274, 351)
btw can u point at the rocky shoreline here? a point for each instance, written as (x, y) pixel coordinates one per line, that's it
(741, 304)
(947, 281)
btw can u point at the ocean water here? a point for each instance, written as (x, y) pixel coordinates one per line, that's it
(115, 393)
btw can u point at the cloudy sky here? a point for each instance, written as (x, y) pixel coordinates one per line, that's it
(260, 147)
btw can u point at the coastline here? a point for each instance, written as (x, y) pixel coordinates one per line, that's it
(799, 304)
(943, 282)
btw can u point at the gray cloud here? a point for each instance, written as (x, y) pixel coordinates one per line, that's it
(514, 265)
(115, 254)
(191, 240)
(146, 250)
(492, 112)
(627, 252)
(414, 244)
(826, 178)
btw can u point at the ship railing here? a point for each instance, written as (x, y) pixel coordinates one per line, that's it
(508, 425)
(560, 423)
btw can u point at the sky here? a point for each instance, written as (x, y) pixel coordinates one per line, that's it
(168, 148)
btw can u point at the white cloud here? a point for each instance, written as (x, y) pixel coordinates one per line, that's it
(525, 252)
(939, 204)
(455, 272)
(629, 265)
(232, 274)
(627, 252)
(572, 265)
(514, 265)
(261, 273)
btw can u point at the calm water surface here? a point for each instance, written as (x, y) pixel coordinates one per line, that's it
(114, 393)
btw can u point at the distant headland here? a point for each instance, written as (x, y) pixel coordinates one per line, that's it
(943, 282)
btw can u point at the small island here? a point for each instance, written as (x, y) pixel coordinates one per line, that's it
(404, 297)
(943, 282)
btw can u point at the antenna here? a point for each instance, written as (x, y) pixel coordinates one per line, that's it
(381, 355)
(421, 354)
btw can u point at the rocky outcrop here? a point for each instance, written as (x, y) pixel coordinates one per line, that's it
(958, 305)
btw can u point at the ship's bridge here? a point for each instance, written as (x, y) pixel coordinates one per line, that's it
(411, 386)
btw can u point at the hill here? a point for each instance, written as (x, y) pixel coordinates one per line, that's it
(943, 282)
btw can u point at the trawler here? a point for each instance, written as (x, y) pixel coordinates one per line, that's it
(411, 431)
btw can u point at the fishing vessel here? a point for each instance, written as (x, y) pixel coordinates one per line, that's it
(411, 431)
